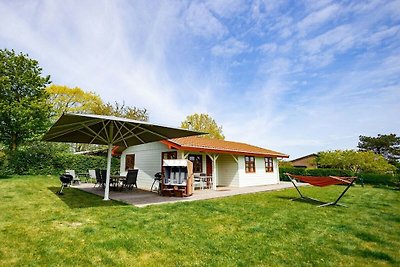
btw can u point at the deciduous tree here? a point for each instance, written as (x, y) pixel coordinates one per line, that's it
(24, 112)
(355, 161)
(75, 100)
(203, 123)
(121, 110)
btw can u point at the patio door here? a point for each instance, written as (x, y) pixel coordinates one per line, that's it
(208, 166)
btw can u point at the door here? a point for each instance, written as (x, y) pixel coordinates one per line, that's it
(208, 166)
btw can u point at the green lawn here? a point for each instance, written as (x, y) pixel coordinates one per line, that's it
(38, 227)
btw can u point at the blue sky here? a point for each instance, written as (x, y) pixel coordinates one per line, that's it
(294, 76)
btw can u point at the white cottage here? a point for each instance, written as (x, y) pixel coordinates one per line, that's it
(229, 163)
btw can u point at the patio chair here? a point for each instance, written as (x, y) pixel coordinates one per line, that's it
(199, 180)
(131, 179)
(104, 178)
(75, 179)
(99, 178)
(92, 175)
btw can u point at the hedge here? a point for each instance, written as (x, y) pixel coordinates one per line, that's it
(42, 162)
(366, 178)
(381, 179)
(313, 172)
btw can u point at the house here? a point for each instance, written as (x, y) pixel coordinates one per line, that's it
(229, 163)
(308, 161)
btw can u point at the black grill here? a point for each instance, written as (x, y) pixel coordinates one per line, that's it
(65, 180)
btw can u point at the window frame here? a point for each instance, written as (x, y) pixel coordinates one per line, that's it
(197, 162)
(131, 162)
(168, 155)
(269, 164)
(249, 165)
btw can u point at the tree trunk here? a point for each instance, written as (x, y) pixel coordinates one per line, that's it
(13, 142)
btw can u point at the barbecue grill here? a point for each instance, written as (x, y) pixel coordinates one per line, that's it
(157, 178)
(65, 180)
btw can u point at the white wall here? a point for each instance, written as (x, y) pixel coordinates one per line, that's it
(147, 160)
(260, 177)
(227, 171)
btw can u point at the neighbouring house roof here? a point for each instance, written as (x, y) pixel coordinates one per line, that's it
(304, 157)
(201, 144)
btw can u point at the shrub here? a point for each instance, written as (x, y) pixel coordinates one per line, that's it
(43, 158)
(380, 179)
(312, 172)
(292, 170)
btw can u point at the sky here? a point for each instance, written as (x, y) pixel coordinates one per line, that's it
(297, 77)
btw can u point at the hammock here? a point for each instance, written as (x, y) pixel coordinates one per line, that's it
(322, 181)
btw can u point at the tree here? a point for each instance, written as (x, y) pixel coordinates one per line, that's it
(24, 112)
(203, 123)
(386, 145)
(121, 110)
(75, 100)
(355, 161)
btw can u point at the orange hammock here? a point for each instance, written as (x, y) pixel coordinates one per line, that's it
(322, 181)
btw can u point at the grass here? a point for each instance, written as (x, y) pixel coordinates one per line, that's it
(38, 227)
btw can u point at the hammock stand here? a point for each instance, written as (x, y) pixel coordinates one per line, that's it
(322, 181)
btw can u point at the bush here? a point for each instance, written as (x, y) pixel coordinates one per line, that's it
(380, 179)
(43, 158)
(312, 172)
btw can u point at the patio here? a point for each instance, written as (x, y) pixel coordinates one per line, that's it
(142, 198)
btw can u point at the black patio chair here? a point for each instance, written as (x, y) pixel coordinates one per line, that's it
(99, 178)
(131, 179)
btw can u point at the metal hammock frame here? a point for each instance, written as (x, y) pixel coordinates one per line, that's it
(322, 181)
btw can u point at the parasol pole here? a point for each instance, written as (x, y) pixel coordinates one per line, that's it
(109, 155)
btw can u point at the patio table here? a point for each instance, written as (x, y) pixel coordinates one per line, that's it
(116, 179)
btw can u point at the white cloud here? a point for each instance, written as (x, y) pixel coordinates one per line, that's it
(269, 48)
(202, 22)
(377, 37)
(318, 18)
(230, 48)
(227, 8)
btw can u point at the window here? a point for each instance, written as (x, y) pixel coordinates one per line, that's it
(269, 165)
(250, 164)
(197, 162)
(169, 155)
(129, 162)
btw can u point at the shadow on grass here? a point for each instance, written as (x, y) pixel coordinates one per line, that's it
(77, 199)
(387, 187)
(367, 253)
(5, 177)
(311, 201)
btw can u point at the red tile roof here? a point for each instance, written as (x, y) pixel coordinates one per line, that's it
(196, 143)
